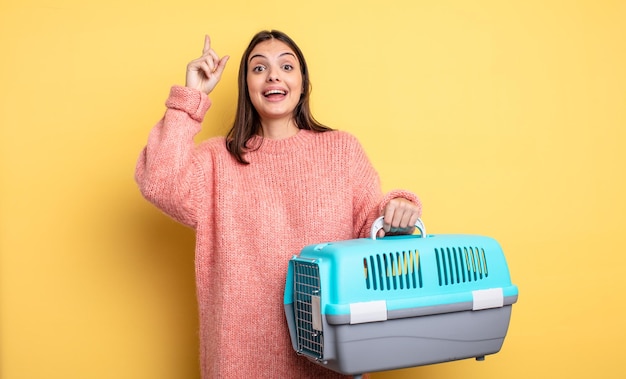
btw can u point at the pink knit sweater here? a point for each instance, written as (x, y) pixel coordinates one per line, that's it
(249, 220)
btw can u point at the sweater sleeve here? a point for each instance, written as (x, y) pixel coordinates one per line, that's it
(167, 171)
(399, 193)
(366, 189)
(369, 201)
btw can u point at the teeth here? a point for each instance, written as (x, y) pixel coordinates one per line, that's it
(274, 92)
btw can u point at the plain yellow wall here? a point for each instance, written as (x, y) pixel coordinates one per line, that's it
(507, 117)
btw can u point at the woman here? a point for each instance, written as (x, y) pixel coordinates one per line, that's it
(279, 181)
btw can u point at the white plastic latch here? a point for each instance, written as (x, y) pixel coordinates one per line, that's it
(368, 311)
(489, 298)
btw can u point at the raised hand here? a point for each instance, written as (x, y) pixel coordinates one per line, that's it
(205, 72)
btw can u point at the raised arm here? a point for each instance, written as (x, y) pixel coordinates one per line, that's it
(168, 170)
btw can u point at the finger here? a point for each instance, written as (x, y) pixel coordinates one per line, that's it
(388, 217)
(207, 44)
(212, 55)
(212, 59)
(221, 65)
(206, 61)
(195, 64)
(405, 220)
(398, 216)
(414, 218)
(210, 63)
(205, 69)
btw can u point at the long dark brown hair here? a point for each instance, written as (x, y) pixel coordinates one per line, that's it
(247, 120)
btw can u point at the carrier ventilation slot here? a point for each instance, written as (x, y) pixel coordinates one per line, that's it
(460, 265)
(393, 271)
(307, 286)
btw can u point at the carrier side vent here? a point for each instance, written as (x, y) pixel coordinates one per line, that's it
(393, 271)
(460, 265)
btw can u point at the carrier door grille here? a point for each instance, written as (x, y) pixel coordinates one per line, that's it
(306, 292)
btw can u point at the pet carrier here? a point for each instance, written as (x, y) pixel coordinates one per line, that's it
(368, 305)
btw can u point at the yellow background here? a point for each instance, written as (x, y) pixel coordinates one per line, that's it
(507, 118)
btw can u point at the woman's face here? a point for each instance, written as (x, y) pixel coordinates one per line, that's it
(274, 80)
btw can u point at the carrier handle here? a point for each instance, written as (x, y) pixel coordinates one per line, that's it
(378, 225)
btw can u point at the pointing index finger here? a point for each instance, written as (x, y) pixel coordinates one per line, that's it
(207, 44)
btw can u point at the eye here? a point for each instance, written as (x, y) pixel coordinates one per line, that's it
(258, 68)
(287, 67)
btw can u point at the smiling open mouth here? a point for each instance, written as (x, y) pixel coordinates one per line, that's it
(274, 92)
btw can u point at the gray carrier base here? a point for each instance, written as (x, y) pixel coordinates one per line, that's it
(409, 342)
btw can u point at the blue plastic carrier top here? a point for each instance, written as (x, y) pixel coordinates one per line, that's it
(411, 274)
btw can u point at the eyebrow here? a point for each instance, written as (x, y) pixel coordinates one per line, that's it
(263, 56)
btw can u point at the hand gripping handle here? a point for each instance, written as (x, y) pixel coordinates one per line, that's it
(378, 225)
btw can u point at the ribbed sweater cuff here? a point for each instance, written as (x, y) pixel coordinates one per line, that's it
(193, 102)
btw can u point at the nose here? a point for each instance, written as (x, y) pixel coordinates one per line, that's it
(272, 75)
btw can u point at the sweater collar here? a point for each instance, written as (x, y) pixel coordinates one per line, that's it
(280, 146)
